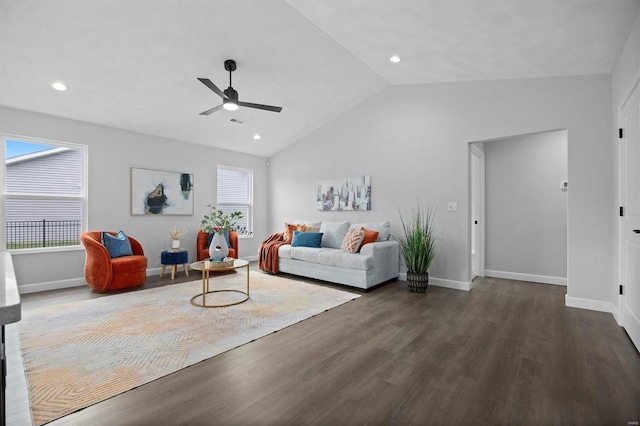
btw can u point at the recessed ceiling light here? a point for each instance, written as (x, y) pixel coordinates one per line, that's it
(256, 136)
(395, 59)
(59, 86)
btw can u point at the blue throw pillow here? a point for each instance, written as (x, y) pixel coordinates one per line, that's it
(306, 239)
(226, 237)
(117, 245)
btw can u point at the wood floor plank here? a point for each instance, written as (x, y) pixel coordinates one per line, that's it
(505, 353)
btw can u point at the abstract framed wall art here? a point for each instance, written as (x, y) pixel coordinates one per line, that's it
(157, 192)
(353, 193)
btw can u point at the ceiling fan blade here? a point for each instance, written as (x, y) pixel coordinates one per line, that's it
(211, 111)
(260, 106)
(212, 86)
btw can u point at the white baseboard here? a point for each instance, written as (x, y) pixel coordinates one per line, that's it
(441, 282)
(51, 285)
(544, 279)
(590, 304)
(616, 315)
(60, 284)
(79, 282)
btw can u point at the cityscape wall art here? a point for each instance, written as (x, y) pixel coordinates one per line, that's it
(353, 193)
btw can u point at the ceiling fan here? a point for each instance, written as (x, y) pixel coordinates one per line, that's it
(230, 96)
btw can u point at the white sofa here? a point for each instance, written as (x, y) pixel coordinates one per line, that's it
(375, 263)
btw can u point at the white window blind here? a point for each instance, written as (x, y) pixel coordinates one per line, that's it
(235, 193)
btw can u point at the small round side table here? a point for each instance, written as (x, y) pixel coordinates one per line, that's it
(174, 258)
(209, 267)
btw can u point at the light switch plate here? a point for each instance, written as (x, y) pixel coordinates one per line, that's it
(452, 207)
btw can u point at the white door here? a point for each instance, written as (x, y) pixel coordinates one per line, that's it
(477, 212)
(630, 220)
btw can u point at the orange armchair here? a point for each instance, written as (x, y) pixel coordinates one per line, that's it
(103, 273)
(202, 249)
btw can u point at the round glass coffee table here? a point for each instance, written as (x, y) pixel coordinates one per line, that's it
(200, 266)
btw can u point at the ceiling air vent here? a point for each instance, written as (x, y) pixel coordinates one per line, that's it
(235, 120)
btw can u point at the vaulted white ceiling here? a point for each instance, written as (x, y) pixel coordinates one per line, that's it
(133, 64)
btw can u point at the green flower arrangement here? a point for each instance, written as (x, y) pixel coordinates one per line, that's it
(217, 220)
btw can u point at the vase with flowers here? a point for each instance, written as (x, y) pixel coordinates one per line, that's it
(218, 224)
(175, 234)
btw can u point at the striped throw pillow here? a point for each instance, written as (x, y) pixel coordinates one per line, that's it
(353, 239)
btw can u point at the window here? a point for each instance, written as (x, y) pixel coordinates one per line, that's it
(235, 192)
(44, 194)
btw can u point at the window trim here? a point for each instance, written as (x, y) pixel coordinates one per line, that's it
(249, 196)
(83, 197)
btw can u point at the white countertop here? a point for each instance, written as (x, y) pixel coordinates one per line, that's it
(10, 308)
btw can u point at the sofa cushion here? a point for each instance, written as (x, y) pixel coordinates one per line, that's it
(306, 239)
(345, 260)
(334, 233)
(308, 254)
(383, 228)
(352, 241)
(118, 245)
(284, 251)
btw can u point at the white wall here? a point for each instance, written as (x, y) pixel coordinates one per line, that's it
(111, 154)
(413, 141)
(526, 209)
(625, 76)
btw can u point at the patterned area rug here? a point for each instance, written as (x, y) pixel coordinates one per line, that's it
(81, 353)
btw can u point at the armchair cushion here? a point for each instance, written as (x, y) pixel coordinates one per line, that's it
(117, 245)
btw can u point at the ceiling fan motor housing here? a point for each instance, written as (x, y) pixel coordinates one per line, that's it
(231, 93)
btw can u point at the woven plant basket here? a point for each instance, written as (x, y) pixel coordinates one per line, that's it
(417, 282)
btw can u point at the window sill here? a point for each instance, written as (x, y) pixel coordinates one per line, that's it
(18, 252)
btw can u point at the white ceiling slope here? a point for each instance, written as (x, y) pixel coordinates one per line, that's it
(133, 64)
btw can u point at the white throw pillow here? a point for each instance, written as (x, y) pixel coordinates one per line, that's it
(383, 228)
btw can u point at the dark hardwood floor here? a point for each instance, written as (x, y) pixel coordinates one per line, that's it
(507, 352)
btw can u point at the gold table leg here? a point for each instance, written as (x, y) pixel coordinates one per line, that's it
(205, 291)
(247, 280)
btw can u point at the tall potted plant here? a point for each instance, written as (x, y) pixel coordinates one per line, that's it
(417, 246)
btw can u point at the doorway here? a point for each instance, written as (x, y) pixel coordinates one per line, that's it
(518, 196)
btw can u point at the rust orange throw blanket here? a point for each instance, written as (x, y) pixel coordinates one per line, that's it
(268, 253)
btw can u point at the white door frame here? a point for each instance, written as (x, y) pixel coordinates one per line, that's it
(477, 182)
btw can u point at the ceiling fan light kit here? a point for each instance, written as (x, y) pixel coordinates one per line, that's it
(229, 104)
(230, 95)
